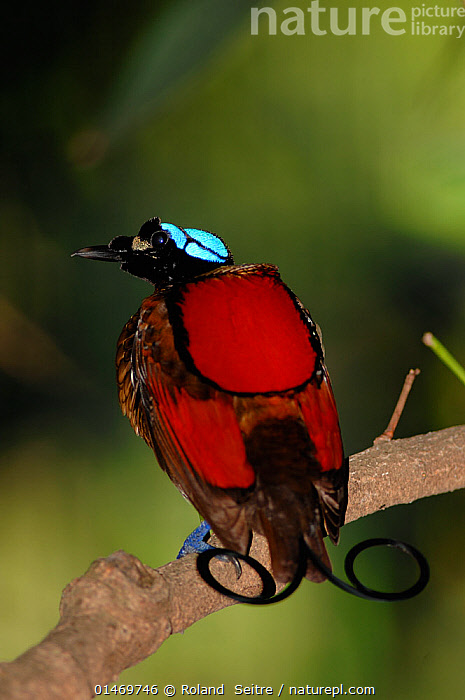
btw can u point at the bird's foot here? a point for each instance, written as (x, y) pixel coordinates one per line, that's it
(197, 542)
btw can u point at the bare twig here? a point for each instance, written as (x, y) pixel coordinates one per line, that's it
(392, 425)
(121, 610)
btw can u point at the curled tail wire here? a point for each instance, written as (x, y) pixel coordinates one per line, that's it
(269, 595)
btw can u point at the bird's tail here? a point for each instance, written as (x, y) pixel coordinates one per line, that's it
(285, 525)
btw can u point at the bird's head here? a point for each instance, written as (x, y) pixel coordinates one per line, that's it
(163, 253)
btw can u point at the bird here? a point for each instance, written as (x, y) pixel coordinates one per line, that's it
(221, 371)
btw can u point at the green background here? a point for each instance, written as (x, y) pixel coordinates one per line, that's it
(339, 158)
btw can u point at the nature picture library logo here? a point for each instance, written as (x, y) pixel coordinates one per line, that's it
(320, 19)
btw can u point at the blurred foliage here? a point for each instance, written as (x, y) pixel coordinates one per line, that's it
(341, 159)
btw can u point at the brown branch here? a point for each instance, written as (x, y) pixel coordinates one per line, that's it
(121, 610)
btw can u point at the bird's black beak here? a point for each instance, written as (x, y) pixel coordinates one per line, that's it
(100, 252)
(118, 250)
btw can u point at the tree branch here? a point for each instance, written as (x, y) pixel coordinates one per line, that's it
(121, 610)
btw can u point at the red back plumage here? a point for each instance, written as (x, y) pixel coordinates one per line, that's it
(245, 333)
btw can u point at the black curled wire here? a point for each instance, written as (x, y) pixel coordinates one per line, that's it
(268, 594)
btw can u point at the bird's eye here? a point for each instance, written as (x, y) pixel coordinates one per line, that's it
(159, 238)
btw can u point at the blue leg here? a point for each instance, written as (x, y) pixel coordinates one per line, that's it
(196, 543)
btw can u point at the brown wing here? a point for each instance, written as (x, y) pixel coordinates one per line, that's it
(129, 386)
(192, 427)
(294, 444)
